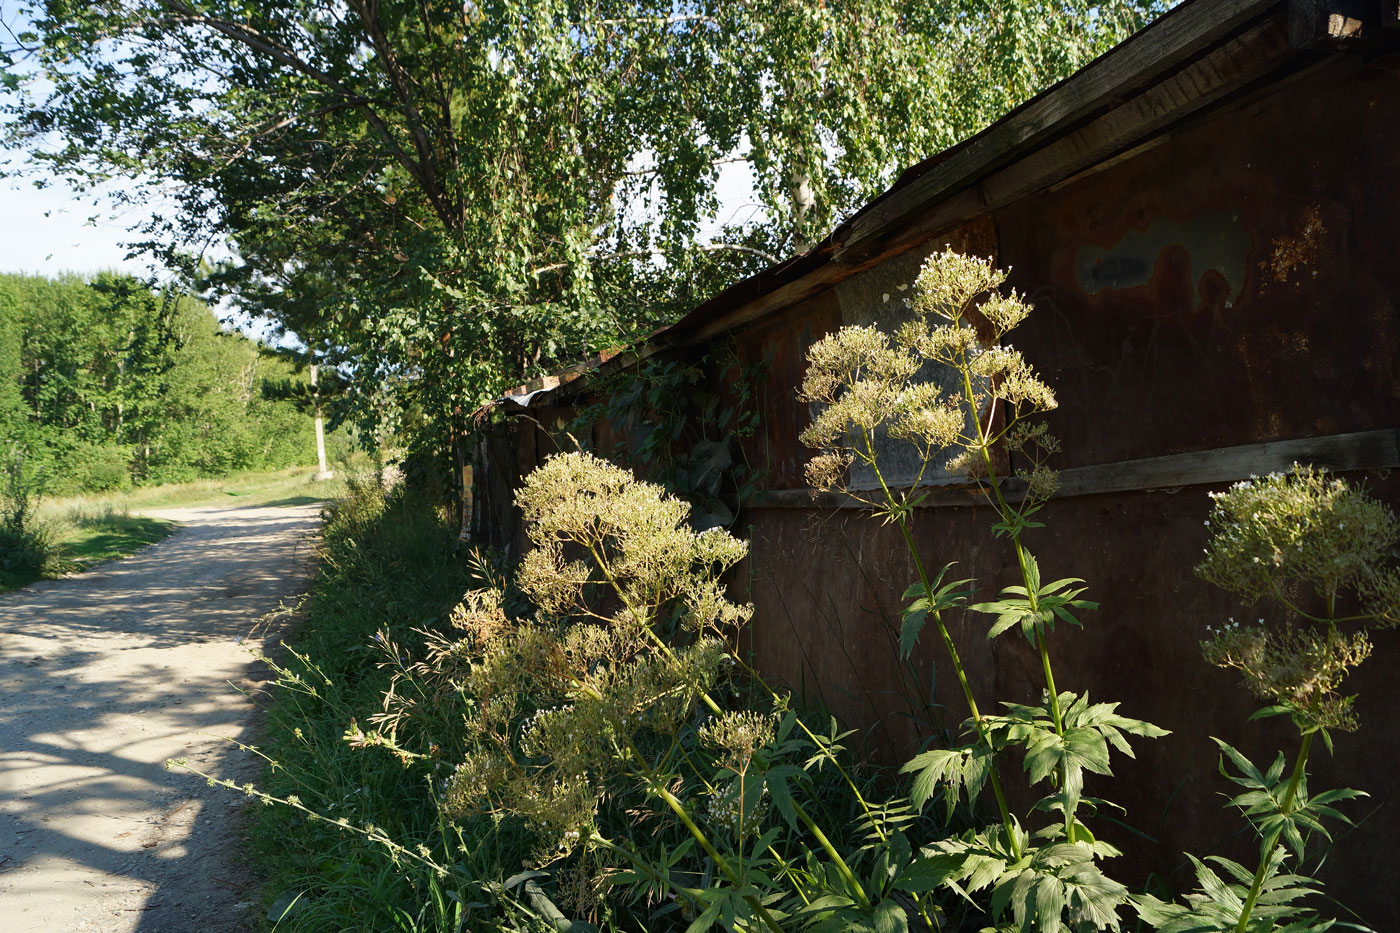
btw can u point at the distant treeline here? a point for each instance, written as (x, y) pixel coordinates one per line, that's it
(105, 384)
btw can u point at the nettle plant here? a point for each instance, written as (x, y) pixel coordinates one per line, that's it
(607, 722)
(871, 390)
(1317, 554)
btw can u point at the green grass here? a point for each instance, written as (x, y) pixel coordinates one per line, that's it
(289, 487)
(96, 541)
(385, 566)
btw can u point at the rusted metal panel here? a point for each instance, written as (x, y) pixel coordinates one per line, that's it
(1231, 284)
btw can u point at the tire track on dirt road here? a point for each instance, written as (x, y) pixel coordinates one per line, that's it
(103, 677)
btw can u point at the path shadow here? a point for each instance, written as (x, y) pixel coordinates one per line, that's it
(105, 676)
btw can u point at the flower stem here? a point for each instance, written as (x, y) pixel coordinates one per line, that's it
(1007, 513)
(678, 809)
(1272, 840)
(994, 773)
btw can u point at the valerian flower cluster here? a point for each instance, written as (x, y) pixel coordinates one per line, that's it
(562, 699)
(1320, 551)
(865, 382)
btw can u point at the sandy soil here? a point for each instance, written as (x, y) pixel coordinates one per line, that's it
(103, 677)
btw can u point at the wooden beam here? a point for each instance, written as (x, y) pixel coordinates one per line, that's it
(1129, 67)
(1340, 453)
(1233, 65)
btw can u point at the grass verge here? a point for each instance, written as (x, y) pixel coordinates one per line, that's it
(293, 486)
(386, 566)
(75, 541)
(91, 541)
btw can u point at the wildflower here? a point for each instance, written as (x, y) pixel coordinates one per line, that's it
(1279, 537)
(738, 735)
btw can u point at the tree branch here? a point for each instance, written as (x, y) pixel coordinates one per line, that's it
(253, 39)
(638, 253)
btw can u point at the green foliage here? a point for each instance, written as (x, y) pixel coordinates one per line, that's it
(1219, 907)
(107, 383)
(453, 198)
(1280, 806)
(678, 432)
(29, 548)
(1266, 900)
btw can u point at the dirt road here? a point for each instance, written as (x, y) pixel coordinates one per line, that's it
(102, 678)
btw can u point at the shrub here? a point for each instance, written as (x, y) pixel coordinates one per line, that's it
(29, 549)
(31, 553)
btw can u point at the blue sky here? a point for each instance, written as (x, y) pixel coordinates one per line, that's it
(49, 231)
(52, 230)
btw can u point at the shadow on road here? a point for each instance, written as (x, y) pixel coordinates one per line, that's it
(107, 675)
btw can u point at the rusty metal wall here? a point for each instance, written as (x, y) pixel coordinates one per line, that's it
(1234, 282)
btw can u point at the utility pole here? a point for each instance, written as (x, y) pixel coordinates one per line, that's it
(320, 431)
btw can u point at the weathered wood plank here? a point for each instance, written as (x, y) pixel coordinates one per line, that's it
(1233, 65)
(1364, 450)
(1129, 67)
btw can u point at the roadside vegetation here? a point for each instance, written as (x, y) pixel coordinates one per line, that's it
(576, 741)
(388, 565)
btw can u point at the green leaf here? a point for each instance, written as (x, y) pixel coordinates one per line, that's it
(909, 630)
(1269, 711)
(778, 790)
(709, 917)
(934, 767)
(926, 874)
(1006, 622)
(889, 917)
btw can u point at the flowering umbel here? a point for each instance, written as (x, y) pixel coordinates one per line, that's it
(864, 382)
(563, 697)
(1320, 551)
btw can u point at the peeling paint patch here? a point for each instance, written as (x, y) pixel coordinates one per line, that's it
(1301, 249)
(1213, 241)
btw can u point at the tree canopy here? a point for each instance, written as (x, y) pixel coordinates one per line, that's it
(104, 383)
(452, 197)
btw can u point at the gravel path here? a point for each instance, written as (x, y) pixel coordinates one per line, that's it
(105, 676)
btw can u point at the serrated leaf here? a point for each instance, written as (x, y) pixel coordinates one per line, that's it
(1051, 588)
(909, 630)
(925, 874)
(1004, 623)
